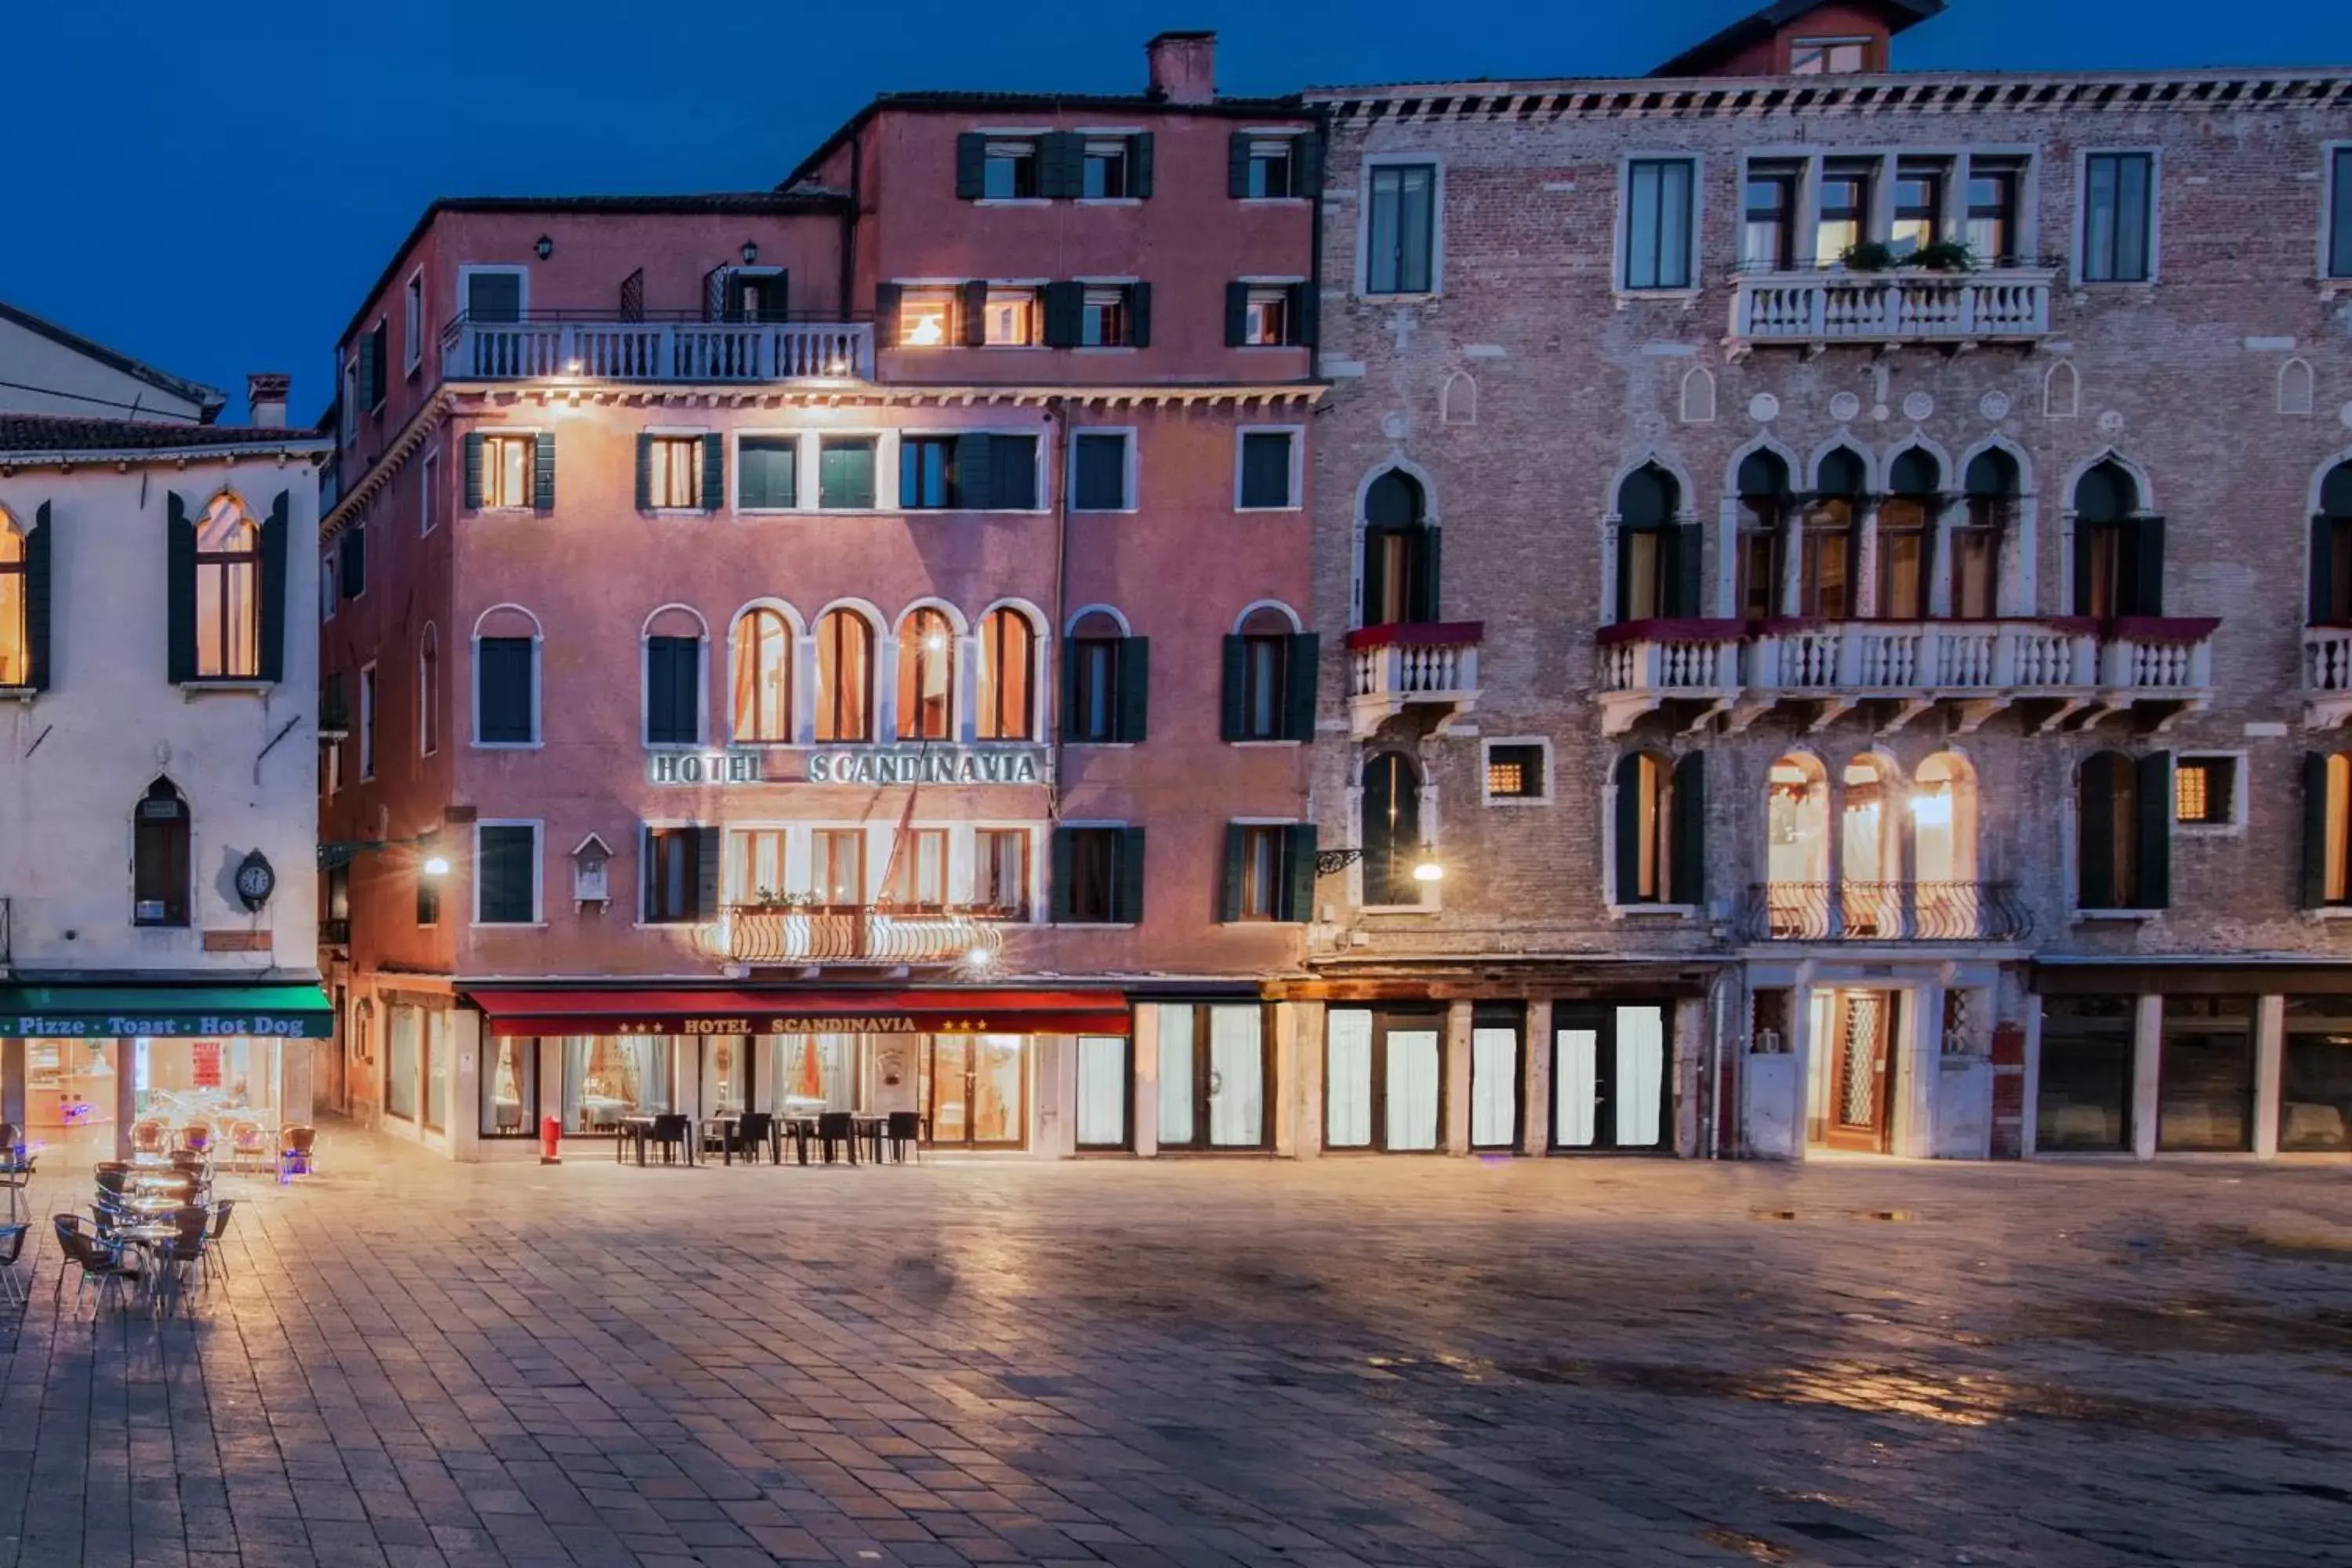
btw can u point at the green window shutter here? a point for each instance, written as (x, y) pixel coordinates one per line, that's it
(1012, 473)
(1066, 306)
(1236, 313)
(714, 472)
(2320, 608)
(976, 313)
(1229, 889)
(972, 165)
(1129, 908)
(275, 530)
(37, 601)
(647, 905)
(2314, 830)
(1237, 164)
(2148, 541)
(1689, 830)
(1309, 166)
(179, 589)
(974, 487)
(542, 471)
(1629, 889)
(1064, 155)
(1138, 314)
(1301, 664)
(1057, 896)
(1138, 164)
(1067, 652)
(1134, 688)
(1683, 557)
(885, 314)
(708, 852)
(1305, 315)
(1426, 542)
(1299, 896)
(2085, 554)
(364, 379)
(645, 473)
(2155, 831)
(1376, 574)
(2094, 818)
(474, 472)
(1233, 709)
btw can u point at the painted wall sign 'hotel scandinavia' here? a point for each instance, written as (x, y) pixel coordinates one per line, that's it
(906, 764)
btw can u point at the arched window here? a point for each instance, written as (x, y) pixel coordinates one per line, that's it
(845, 677)
(1008, 677)
(1656, 576)
(2331, 550)
(1661, 816)
(1399, 565)
(1943, 848)
(1095, 661)
(1796, 847)
(762, 654)
(228, 592)
(1825, 563)
(1391, 836)
(1991, 485)
(1870, 842)
(506, 677)
(16, 643)
(428, 691)
(1763, 533)
(159, 857)
(675, 656)
(927, 657)
(1261, 694)
(2124, 831)
(2118, 550)
(1905, 536)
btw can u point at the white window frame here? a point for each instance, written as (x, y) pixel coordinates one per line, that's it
(885, 470)
(466, 273)
(366, 699)
(1126, 133)
(1125, 286)
(1040, 478)
(963, 873)
(1298, 434)
(1617, 909)
(2329, 198)
(1035, 289)
(1296, 137)
(1486, 755)
(701, 503)
(428, 486)
(474, 688)
(801, 450)
(412, 321)
(2083, 156)
(951, 335)
(1266, 285)
(538, 873)
(1363, 269)
(1132, 480)
(1621, 250)
(2235, 824)
(646, 690)
(530, 479)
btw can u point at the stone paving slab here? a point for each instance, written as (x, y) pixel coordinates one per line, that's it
(1350, 1362)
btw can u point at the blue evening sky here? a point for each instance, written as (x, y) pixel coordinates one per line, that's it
(210, 187)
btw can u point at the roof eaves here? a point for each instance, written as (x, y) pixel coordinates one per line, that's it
(209, 400)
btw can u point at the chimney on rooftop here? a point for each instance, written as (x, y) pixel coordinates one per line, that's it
(265, 395)
(1184, 66)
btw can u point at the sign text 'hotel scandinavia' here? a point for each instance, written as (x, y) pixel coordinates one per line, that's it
(889, 765)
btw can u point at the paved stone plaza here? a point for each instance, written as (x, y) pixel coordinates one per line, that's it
(1353, 1361)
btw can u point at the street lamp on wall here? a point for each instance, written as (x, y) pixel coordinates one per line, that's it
(751, 252)
(544, 248)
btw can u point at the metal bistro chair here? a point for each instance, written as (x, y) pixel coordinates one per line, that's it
(97, 1262)
(215, 1262)
(147, 1136)
(182, 1259)
(196, 1137)
(674, 1133)
(294, 1151)
(838, 1129)
(905, 1132)
(11, 1248)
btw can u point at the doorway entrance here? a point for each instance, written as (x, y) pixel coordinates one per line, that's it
(1857, 1046)
(977, 1093)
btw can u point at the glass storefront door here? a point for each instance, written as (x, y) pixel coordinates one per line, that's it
(978, 1096)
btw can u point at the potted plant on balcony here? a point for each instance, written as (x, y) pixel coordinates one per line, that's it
(767, 901)
(1866, 256)
(1943, 256)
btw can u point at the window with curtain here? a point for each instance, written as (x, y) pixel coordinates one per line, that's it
(1400, 228)
(1658, 223)
(510, 1086)
(837, 866)
(1650, 568)
(2118, 217)
(1212, 1075)
(1000, 872)
(1094, 681)
(926, 659)
(1826, 577)
(1991, 486)
(1906, 537)
(1008, 662)
(1763, 533)
(1399, 566)
(16, 643)
(2117, 556)
(228, 592)
(437, 1069)
(1265, 646)
(763, 675)
(917, 878)
(609, 1076)
(845, 677)
(755, 865)
(1102, 1091)
(812, 1073)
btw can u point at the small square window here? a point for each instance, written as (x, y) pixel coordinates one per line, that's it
(1108, 173)
(1105, 321)
(1099, 481)
(507, 463)
(1273, 166)
(1012, 318)
(1514, 772)
(674, 472)
(1828, 56)
(927, 317)
(1010, 171)
(2204, 791)
(1266, 470)
(1265, 318)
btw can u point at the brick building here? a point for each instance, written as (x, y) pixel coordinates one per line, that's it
(842, 649)
(1880, 685)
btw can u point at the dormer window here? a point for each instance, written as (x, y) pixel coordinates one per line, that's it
(1828, 56)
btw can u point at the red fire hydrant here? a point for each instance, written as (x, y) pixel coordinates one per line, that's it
(551, 1142)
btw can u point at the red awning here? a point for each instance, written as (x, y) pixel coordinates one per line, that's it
(804, 1012)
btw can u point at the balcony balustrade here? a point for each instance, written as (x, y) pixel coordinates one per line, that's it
(2326, 676)
(1645, 665)
(1815, 308)
(581, 347)
(1886, 912)
(1431, 668)
(872, 935)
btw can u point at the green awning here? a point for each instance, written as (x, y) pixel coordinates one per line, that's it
(165, 1012)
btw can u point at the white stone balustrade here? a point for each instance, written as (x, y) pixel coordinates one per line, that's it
(689, 353)
(1391, 669)
(2326, 676)
(1832, 305)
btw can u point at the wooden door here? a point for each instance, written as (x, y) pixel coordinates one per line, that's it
(1861, 1081)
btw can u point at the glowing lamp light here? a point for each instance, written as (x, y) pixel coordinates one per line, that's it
(436, 865)
(978, 958)
(936, 643)
(1932, 808)
(928, 333)
(1429, 871)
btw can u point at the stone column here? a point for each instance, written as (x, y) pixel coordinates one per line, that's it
(1454, 1064)
(1144, 1112)
(2147, 1055)
(2270, 1050)
(1302, 1090)
(1535, 1080)
(465, 1070)
(126, 1094)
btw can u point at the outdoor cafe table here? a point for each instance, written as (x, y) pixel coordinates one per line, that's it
(147, 1238)
(631, 1129)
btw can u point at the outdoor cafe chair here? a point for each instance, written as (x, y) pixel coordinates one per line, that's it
(147, 1136)
(215, 1261)
(249, 1146)
(751, 1133)
(836, 1129)
(905, 1131)
(294, 1151)
(675, 1133)
(11, 1248)
(196, 1137)
(97, 1261)
(182, 1259)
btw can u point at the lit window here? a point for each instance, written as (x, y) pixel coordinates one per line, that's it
(918, 877)
(1000, 872)
(1265, 318)
(1007, 695)
(1108, 173)
(228, 594)
(1515, 773)
(1769, 231)
(674, 471)
(1012, 318)
(1828, 56)
(1845, 213)
(1918, 210)
(755, 860)
(837, 866)
(16, 659)
(2204, 791)
(763, 663)
(925, 316)
(1993, 214)
(1009, 173)
(845, 678)
(505, 471)
(927, 655)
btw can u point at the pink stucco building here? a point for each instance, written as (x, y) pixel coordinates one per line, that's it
(847, 644)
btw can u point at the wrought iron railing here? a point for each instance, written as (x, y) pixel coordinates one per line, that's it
(1886, 912)
(878, 934)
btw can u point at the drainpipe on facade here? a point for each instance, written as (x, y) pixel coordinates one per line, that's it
(1057, 422)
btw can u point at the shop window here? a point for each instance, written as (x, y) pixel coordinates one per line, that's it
(1213, 1088)
(726, 1074)
(927, 660)
(434, 1065)
(607, 1078)
(159, 857)
(1104, 1089)
(1007, 708)
(2124, 840)
(2205, 1081)
(1495, 1077)
(2085, 1097)
(2315, 1108)
(402, 1059)
(1383, 1081)
(812, 1074)
(1609, 1078)
(845, 677)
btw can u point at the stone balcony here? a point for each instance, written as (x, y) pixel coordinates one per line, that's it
(2326, 676)
(1432, 668)
(2064, 672)
(1814, 308)
(566, 347)
(859, 936)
